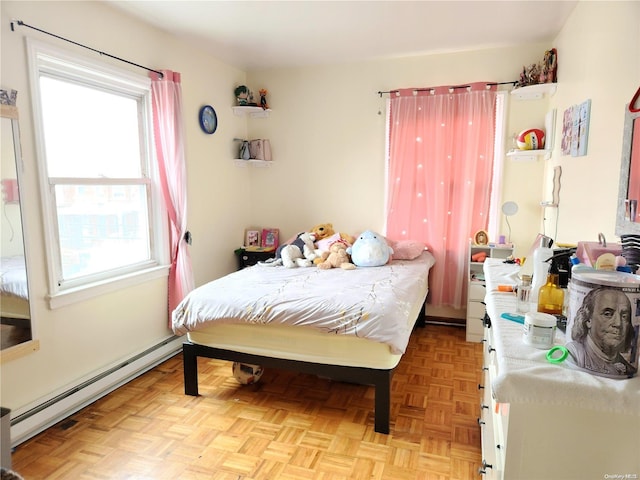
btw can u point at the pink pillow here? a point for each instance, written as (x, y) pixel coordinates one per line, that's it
(407, 249)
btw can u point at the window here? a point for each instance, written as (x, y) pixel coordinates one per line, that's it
(103, 218)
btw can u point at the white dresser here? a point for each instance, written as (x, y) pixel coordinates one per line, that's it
(543, 421)
(476, 287)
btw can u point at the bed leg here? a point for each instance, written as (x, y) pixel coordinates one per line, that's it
(190, 365)
(383, 402)
(422, 318)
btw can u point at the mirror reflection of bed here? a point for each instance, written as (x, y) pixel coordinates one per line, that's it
(15, 315)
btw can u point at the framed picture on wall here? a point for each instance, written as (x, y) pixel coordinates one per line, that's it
(252, 237)
(270, 238)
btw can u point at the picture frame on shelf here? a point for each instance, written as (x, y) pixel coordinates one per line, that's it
(270, 237)
(481, 238)
(252, 237)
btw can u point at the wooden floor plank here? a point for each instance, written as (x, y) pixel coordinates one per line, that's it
(288, 426)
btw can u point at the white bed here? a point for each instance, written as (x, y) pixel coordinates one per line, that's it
(14, 294)
(347, 325)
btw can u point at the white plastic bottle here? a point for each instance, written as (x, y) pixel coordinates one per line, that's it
(540, 272)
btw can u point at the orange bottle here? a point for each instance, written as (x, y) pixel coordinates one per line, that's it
(551, 296)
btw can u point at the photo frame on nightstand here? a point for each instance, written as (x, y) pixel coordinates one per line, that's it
(270, 237)
(252, 237)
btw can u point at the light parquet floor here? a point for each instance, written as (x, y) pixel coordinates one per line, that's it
(288, 426)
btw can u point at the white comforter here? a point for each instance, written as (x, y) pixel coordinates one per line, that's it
(377, 303)
(13, 276)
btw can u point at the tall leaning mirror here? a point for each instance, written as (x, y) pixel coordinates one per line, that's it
(628, 215)
(15, 311)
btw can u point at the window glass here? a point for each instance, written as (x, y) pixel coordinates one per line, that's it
(104, 219)
(89, 132)
(101, 228)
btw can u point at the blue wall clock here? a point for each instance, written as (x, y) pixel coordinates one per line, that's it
(208, 119)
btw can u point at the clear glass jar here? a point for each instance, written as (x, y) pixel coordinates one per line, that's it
(524, 294)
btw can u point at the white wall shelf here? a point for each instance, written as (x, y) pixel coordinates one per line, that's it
(252, 163)
(534, 92)
(253, 112)
(528, 155)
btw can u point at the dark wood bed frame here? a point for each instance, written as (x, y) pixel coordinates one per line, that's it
(380, 379)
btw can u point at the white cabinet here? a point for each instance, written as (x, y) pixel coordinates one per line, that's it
(476, 289)
(544, 421)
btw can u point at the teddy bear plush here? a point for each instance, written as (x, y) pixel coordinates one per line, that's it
(325, 236)
(299, 253)
(337, 257)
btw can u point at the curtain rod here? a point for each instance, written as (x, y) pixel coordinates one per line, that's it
(22, 24)
(450, 88)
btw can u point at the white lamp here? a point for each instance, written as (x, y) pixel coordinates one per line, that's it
(509, 209)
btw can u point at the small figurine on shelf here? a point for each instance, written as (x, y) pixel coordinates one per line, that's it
(549, 66)
(244, 153)
(242, 95)
(263, 98)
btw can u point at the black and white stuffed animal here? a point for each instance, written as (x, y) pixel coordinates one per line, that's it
(299, 253)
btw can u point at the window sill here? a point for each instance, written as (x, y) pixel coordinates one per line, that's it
(87, 292)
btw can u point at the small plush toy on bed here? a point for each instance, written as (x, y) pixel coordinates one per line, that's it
(325, 236)
(370, 250)
(338, 257)
(299, 253)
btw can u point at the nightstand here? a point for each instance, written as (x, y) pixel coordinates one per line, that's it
(246, 258)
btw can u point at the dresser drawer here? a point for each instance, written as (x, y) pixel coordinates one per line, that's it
(475, 310)
(477, 291)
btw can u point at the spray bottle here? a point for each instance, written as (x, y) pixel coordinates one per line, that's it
(551, 295)
(541, 257)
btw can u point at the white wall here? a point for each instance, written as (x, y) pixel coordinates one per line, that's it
(599, 59)
(328, 136)
(327, 133)
(83, 339)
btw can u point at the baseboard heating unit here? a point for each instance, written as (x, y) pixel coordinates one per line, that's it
(38, 418)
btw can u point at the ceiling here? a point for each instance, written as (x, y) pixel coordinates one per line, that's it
(274, 34)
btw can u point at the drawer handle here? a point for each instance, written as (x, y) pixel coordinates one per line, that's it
(485, 369)
(480, 386)
(481, 422)
(491, 349)
(483, 406)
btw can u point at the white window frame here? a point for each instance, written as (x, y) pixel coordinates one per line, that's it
(50, 60)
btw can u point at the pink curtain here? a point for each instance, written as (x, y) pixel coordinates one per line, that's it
(441, 143)
(166, 94)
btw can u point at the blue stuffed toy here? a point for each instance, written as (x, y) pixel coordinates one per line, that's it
(370, 250)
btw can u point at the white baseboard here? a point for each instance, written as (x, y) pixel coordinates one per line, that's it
(38, 418)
